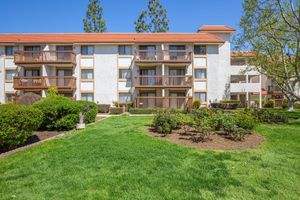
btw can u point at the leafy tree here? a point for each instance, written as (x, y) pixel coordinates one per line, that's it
(271, 28)
(154, 20)
(94, 22)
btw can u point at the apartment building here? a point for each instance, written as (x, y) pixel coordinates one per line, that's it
(151, 69)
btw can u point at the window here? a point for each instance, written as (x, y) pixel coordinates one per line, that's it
(9, 74)
(238, 61)
(32, 48)
(124, 97)
(87, 50)
(237, 79)
(32, 73)
(200, 73)
(87, 97)
(87, 74)
(9, 50)
(253, 78)
(201, 96)
(124, 73)
(125, 50)
(200, 50)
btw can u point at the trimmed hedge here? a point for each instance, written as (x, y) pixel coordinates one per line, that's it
(225, 106)
(103, 108)
(17, 122)
(270, 116)
(56, 110)
(230, 101)
(116, 110)
(90, 111)
(142, 110)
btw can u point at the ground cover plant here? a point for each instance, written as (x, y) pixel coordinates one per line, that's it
(116, 159)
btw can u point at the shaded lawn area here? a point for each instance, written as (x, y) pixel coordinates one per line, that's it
(115, 159)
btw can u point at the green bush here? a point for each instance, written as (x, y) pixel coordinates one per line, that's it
(90, 111)
(52, 91)
(127, 105)
(115, 110)
(67, 122)
(263, 102)
(230, 101)
(270, 103)
(225, 106)
(165, 122)
(270, 116)
(245, 120)
(103, 108)
(55, 108)
(196, 104)
(143, 110)
(199, 114)
(296, 105)
(17, 122)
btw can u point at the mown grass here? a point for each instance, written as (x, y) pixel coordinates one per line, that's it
(115, 159)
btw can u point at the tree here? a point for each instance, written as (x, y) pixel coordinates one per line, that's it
(94, 22)
(271, 28)
(154, 20)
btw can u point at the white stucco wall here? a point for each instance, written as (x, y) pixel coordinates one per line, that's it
(105, 74)
(2, 72)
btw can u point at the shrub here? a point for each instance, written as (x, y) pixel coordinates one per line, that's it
(245, 120)
(270, 103)
(17, 122)
(231, 106)
(89, 110)
(67, 122)
(196, 104)
(285, 104)
(164, 122)
(143, 110)
(230, 101)
(103, 108)
(263, 102)
(52, 91)
(55, 108)
(115, 110)
(127, 105)
(270, 116)
(199, 114)
(296, 105)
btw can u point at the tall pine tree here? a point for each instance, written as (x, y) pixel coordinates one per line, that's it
(94, 22)
(154, 19)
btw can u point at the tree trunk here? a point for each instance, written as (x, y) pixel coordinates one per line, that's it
(290, 105)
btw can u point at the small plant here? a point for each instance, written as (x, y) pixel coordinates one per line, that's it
(52, 91)
(196, 104)
(246, 120)
(270, 103)
(165, 122)
(103, 108)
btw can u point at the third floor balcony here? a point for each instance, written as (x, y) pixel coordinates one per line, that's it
(33, 58)
(168, 56)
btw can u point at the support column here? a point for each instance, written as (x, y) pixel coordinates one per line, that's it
(247, 91)
(260, 94)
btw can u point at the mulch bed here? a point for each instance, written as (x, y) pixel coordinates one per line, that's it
(37, 137)
(215, 142)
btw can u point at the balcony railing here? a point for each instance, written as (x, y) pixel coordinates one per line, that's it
(164, 81)
(43, 82)
(163, 56)
(163, 102)
(44, 57)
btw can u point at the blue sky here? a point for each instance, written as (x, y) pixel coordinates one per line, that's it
(58, 16)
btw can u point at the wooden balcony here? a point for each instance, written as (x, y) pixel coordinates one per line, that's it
(44, 82)
(163, 56)
(33, 58)
(164, 81)
(163, 102)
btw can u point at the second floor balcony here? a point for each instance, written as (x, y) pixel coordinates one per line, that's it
(32, 58)
(169, 56)
(159, 81)
(44, 82)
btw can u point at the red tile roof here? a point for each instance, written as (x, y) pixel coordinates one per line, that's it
(243, 54)
(215, 28)
(110, 38)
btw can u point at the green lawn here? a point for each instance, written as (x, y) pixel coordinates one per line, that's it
(115, 159)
